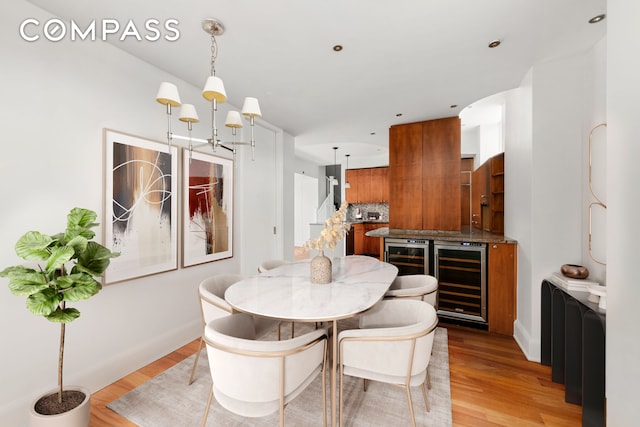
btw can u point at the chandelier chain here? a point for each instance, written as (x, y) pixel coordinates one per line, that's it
(214, 54)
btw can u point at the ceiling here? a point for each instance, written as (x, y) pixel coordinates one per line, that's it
(402, 61)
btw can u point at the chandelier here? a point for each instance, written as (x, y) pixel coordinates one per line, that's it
(214, 93)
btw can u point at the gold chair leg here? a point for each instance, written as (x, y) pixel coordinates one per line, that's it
(195, 362)
(279, 324)
(426, 401)
(291, 329)
(341, 397)
(364, 384)
(428, 378)
(413, 417)
(324, 394)
(206, 411)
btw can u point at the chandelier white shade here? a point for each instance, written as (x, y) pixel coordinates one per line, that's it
(251, 108)
(214, 93)
(214, 89)
(233, 120)
(188, 114)
(168, 94)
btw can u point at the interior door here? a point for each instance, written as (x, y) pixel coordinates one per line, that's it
(258, 197)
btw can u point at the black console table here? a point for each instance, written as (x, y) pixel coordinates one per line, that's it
(573, 344)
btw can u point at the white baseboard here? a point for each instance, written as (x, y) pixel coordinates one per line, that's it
(529, 346)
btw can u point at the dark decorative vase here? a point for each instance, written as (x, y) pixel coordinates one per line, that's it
(575, 271)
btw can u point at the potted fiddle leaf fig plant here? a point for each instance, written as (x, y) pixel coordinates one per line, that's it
(68, 264)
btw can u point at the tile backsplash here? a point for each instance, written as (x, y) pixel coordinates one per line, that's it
(365, 208)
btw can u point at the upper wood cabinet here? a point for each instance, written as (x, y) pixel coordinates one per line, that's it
(368, 185)
(424, 175)
(379, 185)
(405, 176)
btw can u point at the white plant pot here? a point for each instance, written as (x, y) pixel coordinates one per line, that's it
(77, 417)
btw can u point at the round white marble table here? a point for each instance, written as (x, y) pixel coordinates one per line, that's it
(285, 293)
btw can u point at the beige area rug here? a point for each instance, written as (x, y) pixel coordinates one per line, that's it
(167, 400)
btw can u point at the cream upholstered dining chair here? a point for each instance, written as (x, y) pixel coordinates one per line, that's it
(213, 306)
(255, 378)
(396, 330)
(270, 265)
(415, 286)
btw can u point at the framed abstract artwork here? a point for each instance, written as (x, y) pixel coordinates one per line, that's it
(141, 204)
(207, 231)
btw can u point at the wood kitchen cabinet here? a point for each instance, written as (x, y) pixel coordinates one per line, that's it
(496, 193)
(364, 245)
(502, 279)
(480, 197)
(368, 185)
(405, 176)
(372, 244)
(358, 238)
(424, 175)
(379, 185)
(351, 193)
(488, 195)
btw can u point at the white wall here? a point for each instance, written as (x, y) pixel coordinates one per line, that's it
(306, 167)
(545, 177)
(623, 177)
(470, 143)
(288, 200)
(518, 206)
(491, 141)
(58, 98)
(595, 96)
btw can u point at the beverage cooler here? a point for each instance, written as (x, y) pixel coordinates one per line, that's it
(411, 256)
(462, 283)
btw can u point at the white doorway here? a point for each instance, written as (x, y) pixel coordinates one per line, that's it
(305, 205)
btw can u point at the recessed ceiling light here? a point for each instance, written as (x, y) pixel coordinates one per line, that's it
(372, 133)
(399, 114)
(494, 43)
(337, 48)
(597, 19)
(453, 105)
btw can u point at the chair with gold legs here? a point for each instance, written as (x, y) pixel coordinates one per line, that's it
(213, 306)
(414, 286)
(255, 378)
(393, 345)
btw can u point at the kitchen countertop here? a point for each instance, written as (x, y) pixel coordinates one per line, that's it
(466, 234)
(367, 221)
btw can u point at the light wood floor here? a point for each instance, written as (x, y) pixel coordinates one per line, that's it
(300, 252)
(492, 384)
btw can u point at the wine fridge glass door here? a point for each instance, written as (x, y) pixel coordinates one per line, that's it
(409, 256)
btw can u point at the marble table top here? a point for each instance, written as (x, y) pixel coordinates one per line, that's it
(286, 293)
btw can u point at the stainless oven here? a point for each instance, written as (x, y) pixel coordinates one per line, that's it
(411, 256)
(462, 282)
